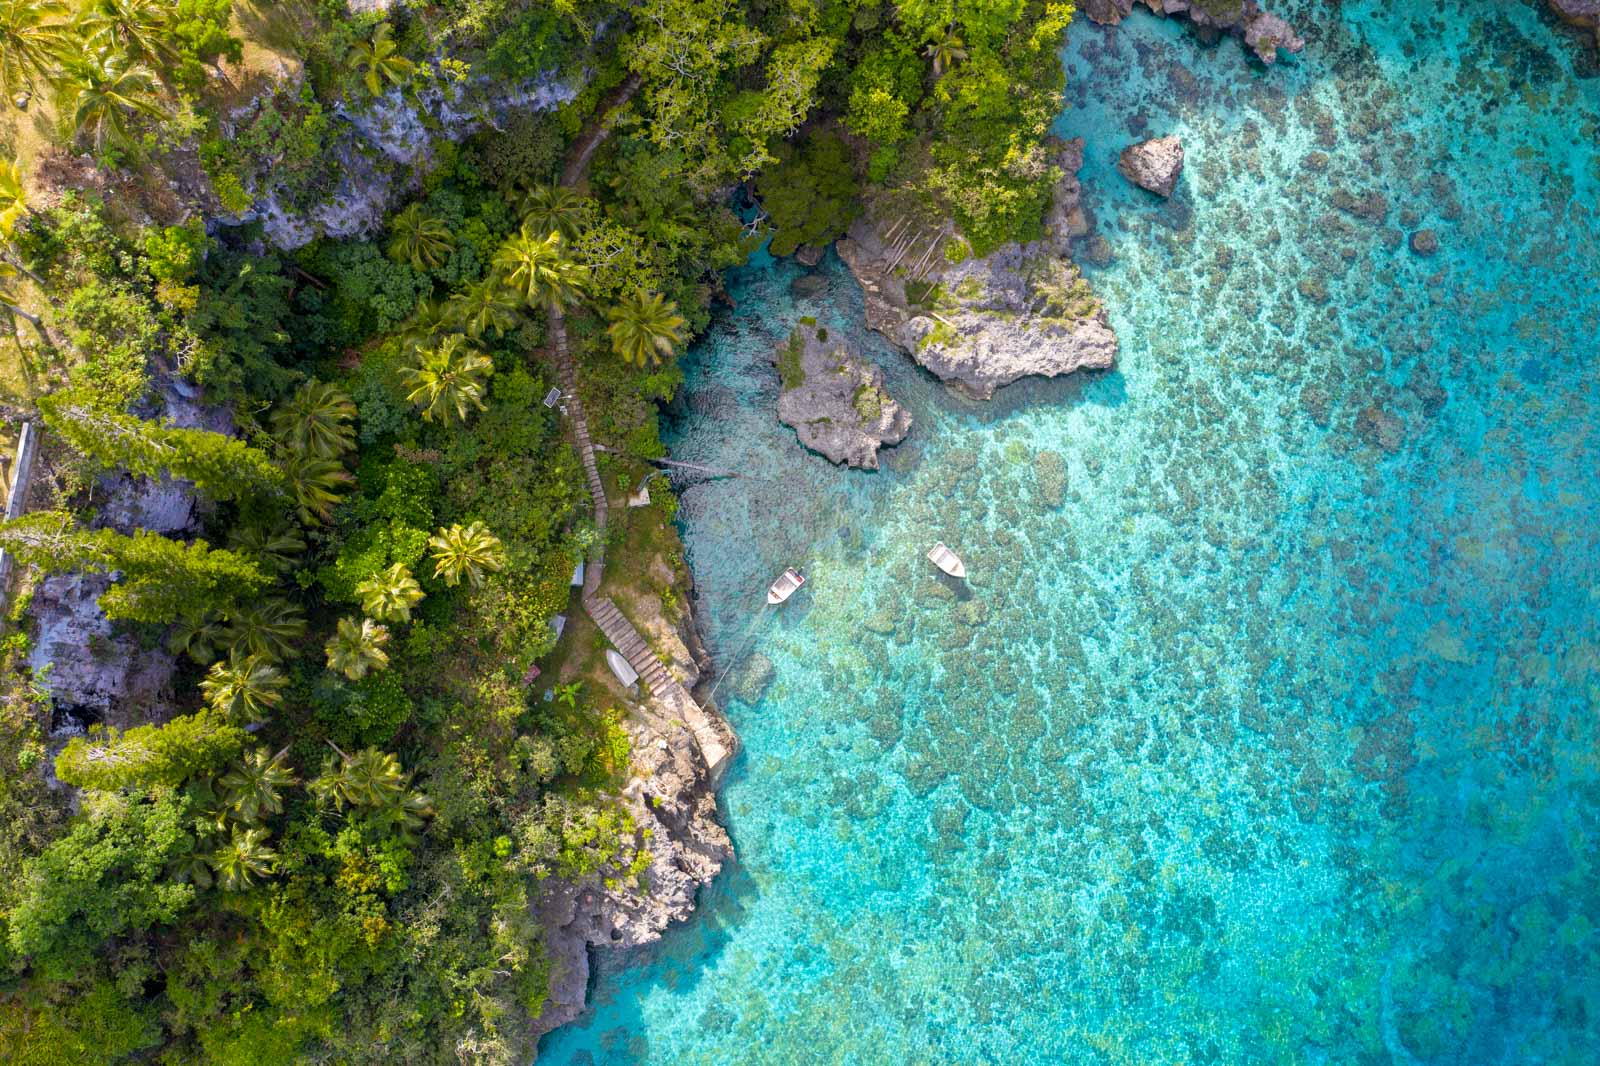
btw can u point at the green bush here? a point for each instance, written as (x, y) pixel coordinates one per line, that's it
(810, 193)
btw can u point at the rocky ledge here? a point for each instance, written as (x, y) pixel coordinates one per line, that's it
(983, 323)
(1263, 32)
(836, 401)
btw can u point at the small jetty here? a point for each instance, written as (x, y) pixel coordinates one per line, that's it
(619, 666)
(947, 560)
(789, 582)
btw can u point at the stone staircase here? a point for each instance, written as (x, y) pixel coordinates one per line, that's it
(715, 747)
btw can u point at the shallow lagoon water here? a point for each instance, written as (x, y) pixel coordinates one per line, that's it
(1274, 734)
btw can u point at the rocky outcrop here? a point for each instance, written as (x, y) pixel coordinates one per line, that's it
(985, 322)
(94, 673)
(836, 401)
(671, 797)
(380, 149)
(1154, 164)
(1585, 13)
(1262, 31)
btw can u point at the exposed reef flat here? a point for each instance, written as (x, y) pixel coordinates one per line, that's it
(985, 322)
(836, 400)
(1262, 31)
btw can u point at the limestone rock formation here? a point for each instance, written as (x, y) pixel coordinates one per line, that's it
(835, 400)
(1584, 13)
(379, 149)
(983, 323)
(1425, 242)
(1154, 164)
(95, 674)
(1262, 32)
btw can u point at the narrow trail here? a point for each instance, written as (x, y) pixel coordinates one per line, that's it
(612, 622)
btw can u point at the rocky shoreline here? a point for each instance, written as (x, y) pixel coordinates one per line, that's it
(982, 323)
(672, 796)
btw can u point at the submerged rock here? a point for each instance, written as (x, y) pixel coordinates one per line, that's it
(751, 679)
(983, 323)
(1425, 242)
(1154, 164)
(836, 401)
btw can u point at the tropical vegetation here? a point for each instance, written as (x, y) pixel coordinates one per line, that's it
(324, 842)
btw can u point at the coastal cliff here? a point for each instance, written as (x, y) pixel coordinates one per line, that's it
(984, 322)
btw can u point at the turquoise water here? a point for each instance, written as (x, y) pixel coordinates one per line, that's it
(1275, 738)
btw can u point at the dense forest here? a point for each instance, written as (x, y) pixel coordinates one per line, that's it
(326, 849)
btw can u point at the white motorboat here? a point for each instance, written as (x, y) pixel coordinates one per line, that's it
(789, 582)
(947, 560)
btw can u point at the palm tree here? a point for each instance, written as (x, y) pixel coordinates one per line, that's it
(266, 629)
(243, 858)
(33, 40)
(419, 238)
(379, 61)
(467, 552)
(645, 328)
(277, 546)
(191, 868)
(448, 378)
(316, 484)
(254, 788)
(389, 596)
(946, 51)
(316, 421)
(244, 688)
(539, 271)
(139, 29)
(197, 637)
(406, 814)
(373, 781)
(431, 317)
(101, 93)
(356, 648)
(482, 308)
(552, 209)
(13, 197)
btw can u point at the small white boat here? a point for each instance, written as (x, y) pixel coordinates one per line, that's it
(788, 583)
(947, 560)
(619, 666)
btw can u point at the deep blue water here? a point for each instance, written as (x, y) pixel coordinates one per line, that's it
(1276, 740)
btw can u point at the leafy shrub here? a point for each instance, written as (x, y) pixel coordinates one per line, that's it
(810, 193)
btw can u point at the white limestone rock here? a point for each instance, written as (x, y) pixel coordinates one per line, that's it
(1154, 164)
(839, 407)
